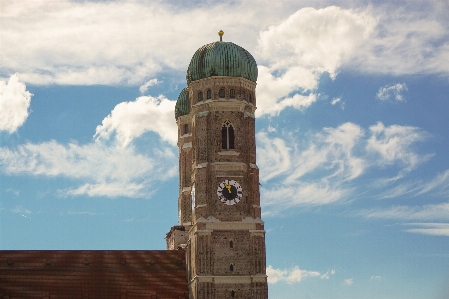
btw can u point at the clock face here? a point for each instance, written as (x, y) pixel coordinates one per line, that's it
(229, 192)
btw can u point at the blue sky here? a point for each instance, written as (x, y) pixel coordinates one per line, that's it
(352, 133)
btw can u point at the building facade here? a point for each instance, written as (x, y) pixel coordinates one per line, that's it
(93, 274)
(219, 214)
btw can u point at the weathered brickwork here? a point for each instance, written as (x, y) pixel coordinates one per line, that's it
(225, 248)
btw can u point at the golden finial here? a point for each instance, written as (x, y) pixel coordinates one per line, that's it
(220, 33)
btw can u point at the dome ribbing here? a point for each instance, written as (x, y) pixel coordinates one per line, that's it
(182, 104)
(221, 59)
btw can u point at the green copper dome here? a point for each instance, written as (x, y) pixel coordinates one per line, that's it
(221, 59)
(182, 104)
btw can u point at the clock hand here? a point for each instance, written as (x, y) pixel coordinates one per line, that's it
(229, 188)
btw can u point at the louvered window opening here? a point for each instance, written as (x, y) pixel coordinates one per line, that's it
(227, 135)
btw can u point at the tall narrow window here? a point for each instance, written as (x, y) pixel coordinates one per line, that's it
(250, 99)
(200, 96)
(221, 93)
(231, 244)
(232, 294)
(186, 129)
(232, 93)
(231, 267)
(243, 95)
(209, 94)
(227, 135)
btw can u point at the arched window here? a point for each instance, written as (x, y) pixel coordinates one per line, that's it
(186, 129)
(200, 96)
(232, 294)
(209, 94)
(243, 95)
(232, 93)
(221, 93)
(227, 135)
(231, 244)
(231, 267)
(250, 99)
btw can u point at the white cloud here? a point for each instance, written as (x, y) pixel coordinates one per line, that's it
(130, 120)
(14, 103)
(405, 42)
(304, 46)
(348, 281)
(392, 92)
(376, 277)
(293, 275)
(130, 42)
(433, 229)
(105, 171)
(275, 275)
(318, 40)
(148, 84)
(273, 92)
(114, 42)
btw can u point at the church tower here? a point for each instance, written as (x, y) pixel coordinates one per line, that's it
(219, 213)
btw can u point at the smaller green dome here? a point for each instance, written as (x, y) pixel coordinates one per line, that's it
(221, 59)
(182, 104)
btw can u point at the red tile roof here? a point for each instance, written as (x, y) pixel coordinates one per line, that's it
(121, 274)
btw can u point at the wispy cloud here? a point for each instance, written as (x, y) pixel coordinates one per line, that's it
(432, 229)
(15, 192)
(430, 212)
(326, 275)
(392, 92)
(293, 275)
(348, 281)
(20, 210)
(437, 186)
(393, 144)
(338, 100)
(323, 169)
(14, 103)
(26, 213)
(143, 88)
(87, 213)
(108, 171)
(335, 101)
